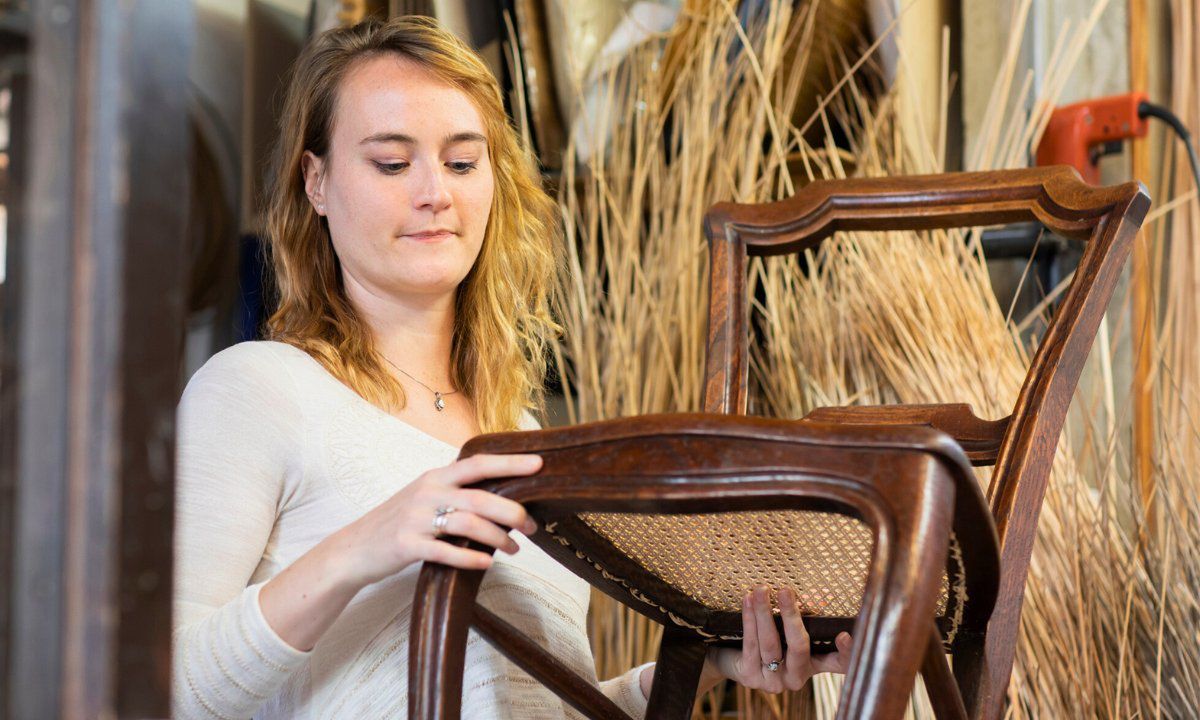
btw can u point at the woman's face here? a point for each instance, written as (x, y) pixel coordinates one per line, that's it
(406, 186)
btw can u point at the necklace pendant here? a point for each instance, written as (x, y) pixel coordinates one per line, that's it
(438, 402)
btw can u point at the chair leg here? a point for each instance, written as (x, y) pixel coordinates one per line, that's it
(912, 530)
(971, 675)
(939, 681)
(541, 663)
(676, 675)
(442, 613)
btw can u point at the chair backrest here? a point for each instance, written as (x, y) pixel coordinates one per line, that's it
(1107, 217)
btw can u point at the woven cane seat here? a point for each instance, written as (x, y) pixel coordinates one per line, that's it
(708, 562)
(716, 559)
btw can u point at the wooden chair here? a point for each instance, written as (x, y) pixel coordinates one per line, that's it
(1020, 446)
(677, 516)
(616, 499)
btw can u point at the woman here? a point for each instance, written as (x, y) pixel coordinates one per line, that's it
(413, 250)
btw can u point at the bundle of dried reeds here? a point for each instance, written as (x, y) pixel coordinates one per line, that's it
(681, 125)
(705, 114)
(1151, 605)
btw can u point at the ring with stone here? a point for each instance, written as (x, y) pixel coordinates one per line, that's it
(441, 516)
(774, 665)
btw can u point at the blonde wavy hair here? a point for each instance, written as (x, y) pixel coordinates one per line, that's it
(503, 319)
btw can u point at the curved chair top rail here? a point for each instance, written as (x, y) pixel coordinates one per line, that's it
(900, 437)
(1108, 216)
(1055, 196)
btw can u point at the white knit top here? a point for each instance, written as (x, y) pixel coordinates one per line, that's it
(274, 455)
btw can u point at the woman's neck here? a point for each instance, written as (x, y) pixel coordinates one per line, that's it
(415, 334)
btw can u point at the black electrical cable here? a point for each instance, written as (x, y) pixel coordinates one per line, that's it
(1149, 109)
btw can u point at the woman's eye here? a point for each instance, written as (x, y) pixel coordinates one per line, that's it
(390, 168)
(462, 167)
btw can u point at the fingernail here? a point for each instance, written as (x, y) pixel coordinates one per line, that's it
(530, 527)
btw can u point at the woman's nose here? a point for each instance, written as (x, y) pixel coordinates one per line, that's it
(431, 191)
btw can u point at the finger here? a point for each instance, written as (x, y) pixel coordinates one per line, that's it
(750, 663)
(769, 647)
(796, 667)
(768, 637)
(844, 642)
(459, 557)
(481, 467)
(470, 525)
(726, 662)
(501, 511)
(835, 662)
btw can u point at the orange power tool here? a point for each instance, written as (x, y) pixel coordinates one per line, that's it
(1080, 134)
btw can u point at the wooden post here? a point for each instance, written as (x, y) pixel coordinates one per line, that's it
(98, 311)
(14, 77)
(1141, 285)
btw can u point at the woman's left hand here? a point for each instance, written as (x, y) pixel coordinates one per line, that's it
(761, 645)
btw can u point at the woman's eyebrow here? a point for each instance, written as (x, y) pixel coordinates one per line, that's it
(464, 137)
(394, 137)
(388, 137)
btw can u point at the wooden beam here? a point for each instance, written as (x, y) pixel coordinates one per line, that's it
(14, 78)
(98, 346)
(1141, 286)
(40, 342)
(150, 276)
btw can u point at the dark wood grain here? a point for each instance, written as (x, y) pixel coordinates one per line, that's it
(1022, 446)
(14, 45)
(443, 609)
(99, 342)
(940, 686)
(903, 482)
(979, 438)
(150, 266)
(543, 665)
(676, 675)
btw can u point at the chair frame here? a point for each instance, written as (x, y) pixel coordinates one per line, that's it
(1021, 446)
(699, 463)
(910, 485)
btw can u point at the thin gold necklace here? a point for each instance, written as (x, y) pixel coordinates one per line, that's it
(438, 402)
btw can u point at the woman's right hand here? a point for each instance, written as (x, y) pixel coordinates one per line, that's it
(400, 531)
(304, 599)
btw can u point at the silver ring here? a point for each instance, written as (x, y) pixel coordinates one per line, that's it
(774, 665)
(441, 516)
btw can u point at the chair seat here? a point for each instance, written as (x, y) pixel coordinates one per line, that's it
(677, 516)
(695, 568)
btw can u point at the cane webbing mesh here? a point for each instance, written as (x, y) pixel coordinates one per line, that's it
(716, 558)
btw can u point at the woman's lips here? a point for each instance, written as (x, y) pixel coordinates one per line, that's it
(430, 237)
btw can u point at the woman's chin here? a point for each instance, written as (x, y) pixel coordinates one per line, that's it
(429, 287)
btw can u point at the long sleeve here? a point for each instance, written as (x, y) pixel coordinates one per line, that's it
(626, 691)
(239, 436)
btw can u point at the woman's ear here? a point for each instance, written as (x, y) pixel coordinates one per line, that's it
(313, 168)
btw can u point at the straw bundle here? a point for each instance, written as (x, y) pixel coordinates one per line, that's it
(634, 293)
(705, 114)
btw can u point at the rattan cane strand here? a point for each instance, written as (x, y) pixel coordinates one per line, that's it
(716, 558)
